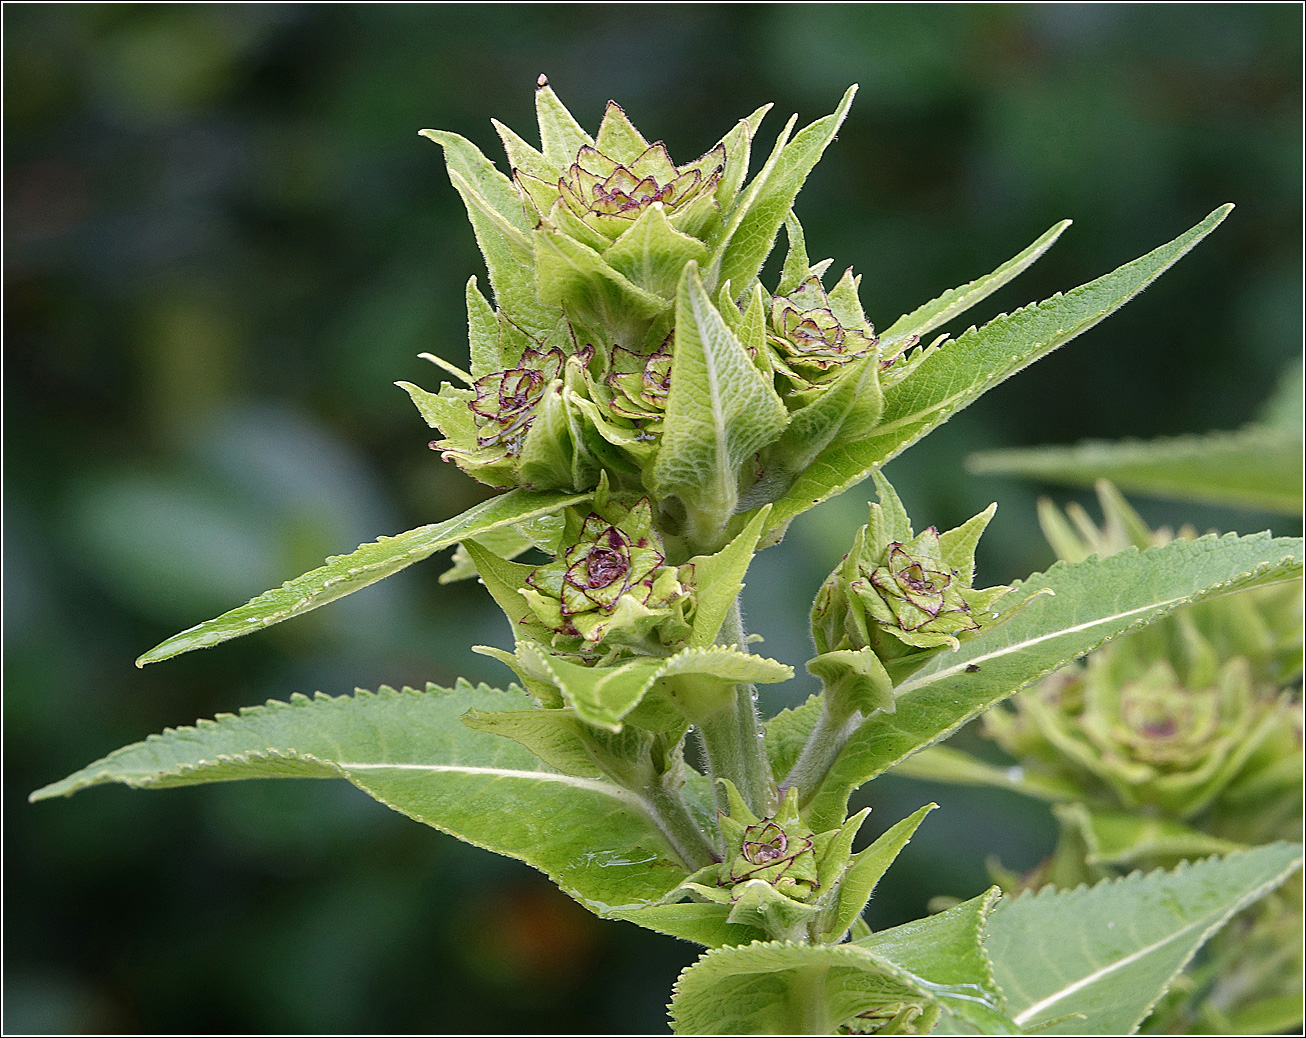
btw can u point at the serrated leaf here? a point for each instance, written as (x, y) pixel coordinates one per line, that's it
(466, 159)
(945, 951)
(1117, 838)
(775, 987)
(720, 410)
(554, 736)
(946, 380)
(1092, 601)
(869, 866)
(344, 574)
(410, 751)
(940, 311)
(752, 228)
(1095, 960)
(1255, 467)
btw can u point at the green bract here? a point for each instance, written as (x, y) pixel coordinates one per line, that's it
(657, 412)
(897, 591)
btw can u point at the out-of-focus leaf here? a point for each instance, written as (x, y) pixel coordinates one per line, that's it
(1095, 960)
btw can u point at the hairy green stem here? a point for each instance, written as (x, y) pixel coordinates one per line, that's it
(827, 739)
(668, 810)
(809, 1001)
(732, 735)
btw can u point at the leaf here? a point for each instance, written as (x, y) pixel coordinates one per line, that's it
(701, 923)
(410, 751)
(1255, 467)
(752, 228)
(465, 158)
(560, 135)
(720, 410)
(946, 380)
(507, 542)
(505, 246)
(1092, 601)
(719, 578)
(787, 732)
(344, 574)
(603, 696)
(1095, 960)
(552, 735)
(956, 301)
(944, 950)
(867, 868)
(1117, 838)
(944, 764)
(776, 987)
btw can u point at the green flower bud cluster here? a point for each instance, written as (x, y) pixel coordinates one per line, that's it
(619, 276)
(609, 584)
(777, 875)
(1194, 717)
(897, 592)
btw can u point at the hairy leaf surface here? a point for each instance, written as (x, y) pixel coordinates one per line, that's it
(940, 311)
(1255, 467)
(410, 750)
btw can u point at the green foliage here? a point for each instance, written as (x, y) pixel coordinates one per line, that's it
(657, 414)
(1095, 960)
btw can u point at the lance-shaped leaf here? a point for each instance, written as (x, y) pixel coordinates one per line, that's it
(504, 242)
(1117, 838)
(575, 277)
(945, 764)
(1091, 602)
(945, 380)
(938, 312)
(718, 579)
(752, 228)
(561, 136)
(1255, 467)
(720, 410)
(868, 867)
(1095, 960)
(410, 751)
(945, 951)
(344, 574)
(702, 923)
(776, 987)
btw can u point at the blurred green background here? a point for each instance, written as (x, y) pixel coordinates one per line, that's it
(225, 242)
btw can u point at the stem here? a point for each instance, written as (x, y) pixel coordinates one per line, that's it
(809, 1000)
(829, 736)
(732, 735)
(678, 826)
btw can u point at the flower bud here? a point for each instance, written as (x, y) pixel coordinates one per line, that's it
(609, 584)
(809, 339)
(897, 591)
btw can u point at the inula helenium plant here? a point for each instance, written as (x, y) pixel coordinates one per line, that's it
(655, 412)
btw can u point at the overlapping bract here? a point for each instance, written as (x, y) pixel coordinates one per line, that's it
(619, 275)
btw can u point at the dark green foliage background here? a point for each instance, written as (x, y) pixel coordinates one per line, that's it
(224, 242)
